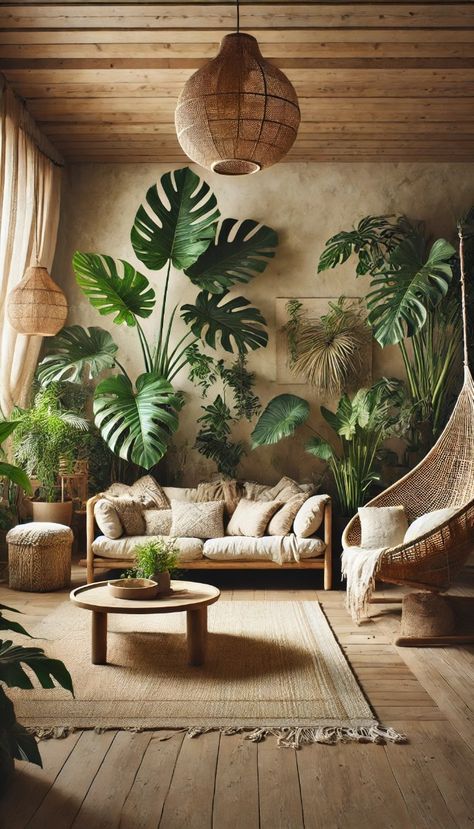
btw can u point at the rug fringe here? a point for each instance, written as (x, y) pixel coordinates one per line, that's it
(286, 736)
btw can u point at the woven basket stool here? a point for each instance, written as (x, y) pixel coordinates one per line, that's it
(39, 556)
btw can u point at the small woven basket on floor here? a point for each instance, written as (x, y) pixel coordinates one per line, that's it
(39, 557)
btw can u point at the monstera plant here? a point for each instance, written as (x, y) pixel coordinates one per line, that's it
(411, 300)
(176, 229)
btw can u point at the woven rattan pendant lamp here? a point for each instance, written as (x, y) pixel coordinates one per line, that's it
(37, 306)
(238, 114)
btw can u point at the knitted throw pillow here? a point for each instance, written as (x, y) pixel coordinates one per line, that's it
(197, 520)
(130, 513)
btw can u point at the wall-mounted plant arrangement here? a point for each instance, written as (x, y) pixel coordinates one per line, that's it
(177, 228)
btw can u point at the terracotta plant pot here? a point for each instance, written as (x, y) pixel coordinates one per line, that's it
(164, 582)
(59, 512)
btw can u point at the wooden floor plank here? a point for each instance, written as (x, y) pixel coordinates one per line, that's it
(349, 786)
(31, 784)
(236, 793)
(104, 801)
(63, 801)
(144, 803)
(191, 795)
(279, 787)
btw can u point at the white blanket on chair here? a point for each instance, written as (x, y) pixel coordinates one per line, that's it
(359, 566)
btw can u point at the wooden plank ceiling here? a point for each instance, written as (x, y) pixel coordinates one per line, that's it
(376, 81)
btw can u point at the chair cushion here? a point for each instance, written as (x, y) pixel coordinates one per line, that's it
(190, 549)
(428, 522)
(382, 526)
(309, 517)
(201, 520)
(107, 518)
(251, 517)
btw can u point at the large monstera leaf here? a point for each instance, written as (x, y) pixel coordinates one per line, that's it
(48, 671)
(236, 320)
(238, 259)
(280, 419)
(75, 353)
(113, 286)
(180, 229)
(137, 424)
(400, 297)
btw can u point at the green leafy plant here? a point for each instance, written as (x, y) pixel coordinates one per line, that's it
(45, 433)
(327, 351)
(214, 440)
(360, 425)
(8, 470)
(413, 304)
(176, 227)
(154, 557)
(15, 741)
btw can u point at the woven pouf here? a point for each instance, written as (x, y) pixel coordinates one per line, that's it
(39, 556)
(426, 615)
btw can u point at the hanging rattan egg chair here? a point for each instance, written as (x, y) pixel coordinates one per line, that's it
(443, 479)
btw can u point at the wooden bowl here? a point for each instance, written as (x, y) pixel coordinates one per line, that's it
(133, 588)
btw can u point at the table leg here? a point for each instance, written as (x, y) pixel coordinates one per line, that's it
(99, 638)
(196, 624)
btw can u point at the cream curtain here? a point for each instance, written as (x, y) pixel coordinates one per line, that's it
(24, 155)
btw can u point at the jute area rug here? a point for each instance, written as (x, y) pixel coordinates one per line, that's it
(271, 668)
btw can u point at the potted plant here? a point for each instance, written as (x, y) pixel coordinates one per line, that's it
(155, 559)
(15, 741)
(47, 435)
(11, 476)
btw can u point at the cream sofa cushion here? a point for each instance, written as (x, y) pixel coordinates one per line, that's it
(197, 520)
(190, 549)
(429, 521)
(282, 521)
(107, 519)
(310, 515)
(280, 549)
(382, 526)
(251, 517)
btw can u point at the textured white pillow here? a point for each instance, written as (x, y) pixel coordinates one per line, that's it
(201, 520)
(158, 521)
(382, 526)
(309, 517)
(429, 521)
(107, 519)
(251, 517)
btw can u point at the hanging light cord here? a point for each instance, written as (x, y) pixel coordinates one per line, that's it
(238, 16)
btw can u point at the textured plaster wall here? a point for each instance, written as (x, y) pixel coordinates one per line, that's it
(306, 204)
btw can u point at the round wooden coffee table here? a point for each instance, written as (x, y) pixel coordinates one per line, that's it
(188, 596)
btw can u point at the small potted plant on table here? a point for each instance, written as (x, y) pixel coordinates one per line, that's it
(155, 559)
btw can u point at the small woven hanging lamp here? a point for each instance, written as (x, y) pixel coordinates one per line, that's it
(238, 114)
(37, 306)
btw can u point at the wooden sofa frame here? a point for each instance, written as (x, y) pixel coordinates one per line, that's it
(97, 563)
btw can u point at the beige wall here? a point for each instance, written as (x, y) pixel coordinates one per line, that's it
(306, 204)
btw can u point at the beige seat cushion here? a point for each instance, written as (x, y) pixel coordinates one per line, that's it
(157, 521)
(309, 517)
(382, 526)
(190, 549)
(282, 521)
(251, 517)
(197, 520)
(428, 522)
(107, 518)
(280, 549)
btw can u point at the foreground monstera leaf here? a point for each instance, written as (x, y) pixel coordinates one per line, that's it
(137, 424)
(235, 320)
(76, 353)
(113, 286)
(178, 229)
(280, 419)
(47, 671)
(228, 261)
(400, 297)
